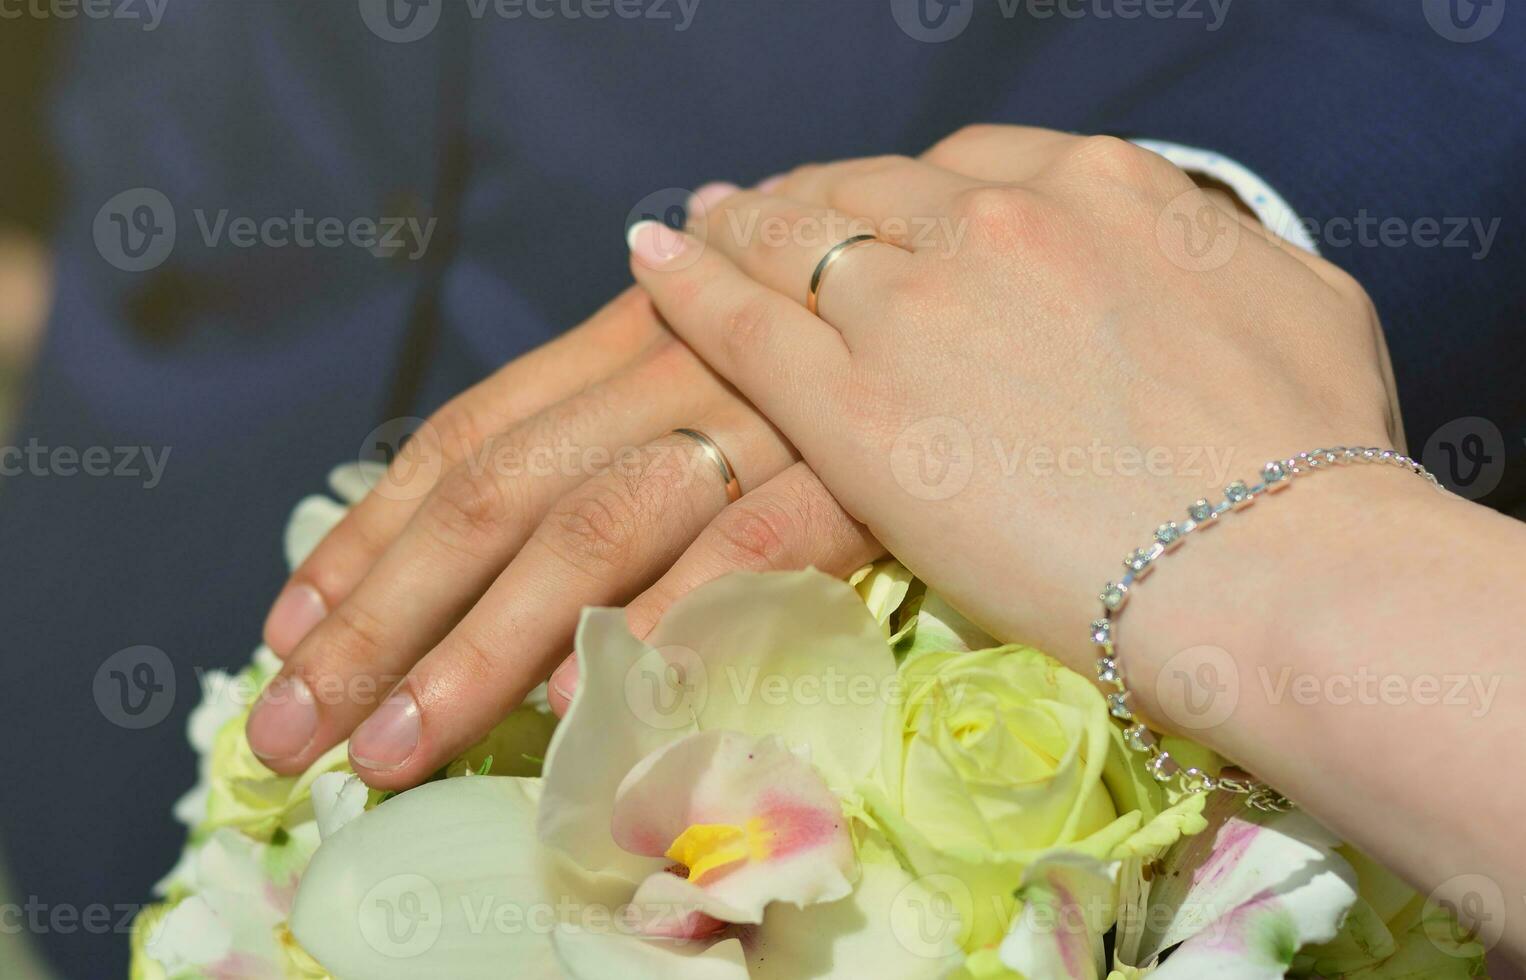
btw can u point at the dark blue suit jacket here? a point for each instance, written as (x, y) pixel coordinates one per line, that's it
(529, 140)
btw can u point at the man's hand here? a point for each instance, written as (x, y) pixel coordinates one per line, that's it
(454, 587)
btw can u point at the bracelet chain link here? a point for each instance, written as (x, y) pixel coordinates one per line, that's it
(1202, 514)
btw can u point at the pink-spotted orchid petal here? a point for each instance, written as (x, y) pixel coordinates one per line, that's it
(744, 821)
(790, 652)
(1067, 907)
(1269, 886)
(606, 955)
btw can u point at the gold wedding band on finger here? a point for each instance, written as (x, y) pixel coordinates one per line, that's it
(836, 252)
(713, 452)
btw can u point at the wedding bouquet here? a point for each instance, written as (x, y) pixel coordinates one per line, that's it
(792, 777)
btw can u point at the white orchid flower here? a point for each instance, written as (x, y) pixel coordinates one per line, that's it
(690, 825)
(1238, 903)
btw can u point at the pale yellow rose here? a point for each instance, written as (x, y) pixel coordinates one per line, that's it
(997, 756)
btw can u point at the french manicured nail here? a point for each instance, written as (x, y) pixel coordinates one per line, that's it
(654, 243)
(564, 680)
(284, 721)
(771, 184)
(389, 737)
(297, 610)
(709, 196)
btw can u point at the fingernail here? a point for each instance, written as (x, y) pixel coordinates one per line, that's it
(709, 196)
(771, 184)
(564, 680)
(283, 723)
(297, 610)
(389, 737)
(654, 243)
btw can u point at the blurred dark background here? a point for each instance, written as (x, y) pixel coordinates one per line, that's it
(28, 192)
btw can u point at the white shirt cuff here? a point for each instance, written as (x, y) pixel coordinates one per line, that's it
(1271, 208)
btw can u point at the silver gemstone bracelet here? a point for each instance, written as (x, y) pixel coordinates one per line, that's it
(1200, 515)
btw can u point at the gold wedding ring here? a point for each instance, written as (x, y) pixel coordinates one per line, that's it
(835, 253)
(728, 475)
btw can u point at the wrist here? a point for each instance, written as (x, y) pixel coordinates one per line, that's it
(1212, 636)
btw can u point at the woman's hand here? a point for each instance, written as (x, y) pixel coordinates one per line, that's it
(1043, 372)
(1047, 370)
(454, 587)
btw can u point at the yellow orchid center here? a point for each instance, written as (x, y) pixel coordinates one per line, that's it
(704, 847)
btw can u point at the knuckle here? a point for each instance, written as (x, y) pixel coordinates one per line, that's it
(803, 176)
(476, 660)
(458, 427)
(670, 362)
(684, 294)
(961, 141)
(748, 327)
(594, 529)
(468, 505)
(335, 564)
(646, 611)
(332, 580)
(882, 163)
(1350, 290)
(354, 645)
(1117, 160)
(760, 535)
(1005, 217)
